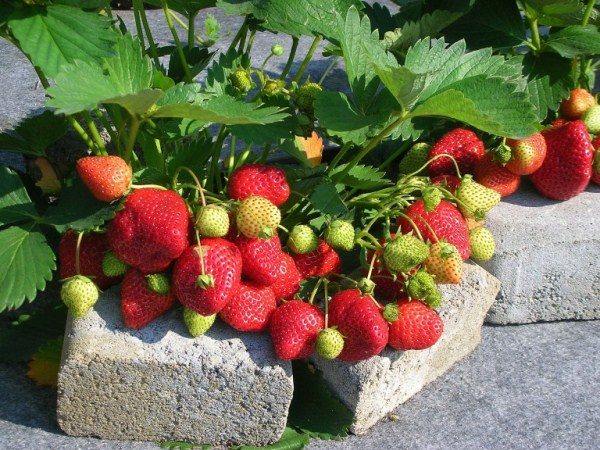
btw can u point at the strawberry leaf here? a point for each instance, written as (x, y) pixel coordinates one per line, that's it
(15, 203)
(575, 40)
(26, 264)
(34, 134)
(556, 12)
(360, 176)
(58, 35)
(326, 199)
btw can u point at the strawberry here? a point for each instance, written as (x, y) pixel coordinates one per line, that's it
(475, 200)
(257, 179)
(404, 252)
(288, 280)
(319, 263)
(212, 221)
(527, 155)
(262, 259)
(463, 145)
(483, 244)
(494, 176)
(340, 235)
(577, 104)
(91, 253)
(386, 288)
(197, 324)
(359, 320)
(207, 276)
(415, 158)
(107, 177)
(591, 118)
(140, 305)
(151, 230)
(450, 182)
(596, 162)
(158, 283)
(257, 217)
(559, 122)
(422, 286)
(418, 327)
(250, 309)
(241, 80)
(330, 343)
(295, 326)
(79, 294)
(302, 239)
(567, 168)
(305, 97)
(444, 263)
(445, 220)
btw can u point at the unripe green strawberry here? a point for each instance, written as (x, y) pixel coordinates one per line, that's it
(277, 49)
(257, 217)
(475, 200)
(444, 263)
(415, 158)
(240, 79)
(330, 343)
(404, 252)
(79, 294)
(197, 324)
(340, 235)
(113, 266)
(159, 283)
(212, 221)
(483, 244)
(273, 87)
(305, 97)
(421, 285)
(302, 239)
(591, 118)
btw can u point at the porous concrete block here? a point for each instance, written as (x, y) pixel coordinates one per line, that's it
(546, 257)
(375, 387)
(160, 384)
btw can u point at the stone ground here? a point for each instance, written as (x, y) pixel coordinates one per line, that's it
(528, 386)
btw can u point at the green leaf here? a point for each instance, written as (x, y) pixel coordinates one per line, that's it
(360, 176)
(185, 7)
(15, 204)
(34, 134)
(217, 76)
(340, 119)
(26, 264)
(197, 59)
(20, 339)
(556, 12)
(78, 209)
(490, 23)
(266, 134)
(183, 445)
(326, 199)
(290, 440)
(57, 35)
(314, 410)
(404, 85)
(575, 40)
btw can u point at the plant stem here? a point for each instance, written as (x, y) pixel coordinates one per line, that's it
(250, 41)
(338, 157)
(290, 61)
(307, 59)
(148, 31)
(329, 68)
(399, 151)
(242, 31)
(588, 12)
(108, 127)
(265, 154)
(169, 19)
(231, 159)
(133, 132)
(94, 131)
(81, 132)
(216, 153)
(535, 33)
(194, 177)
(77, 251)
(191, 30)
(138, 22)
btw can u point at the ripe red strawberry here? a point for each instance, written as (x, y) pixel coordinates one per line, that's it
(151, 230)
(567, 168)
(250, 309)
(107, 177)
(463, 145)
(577, 104)
(359, 320)
(318, 263)
(450, 182)
(92, 249)
(445, 220)
(418, 326)
(527, 154)
(596, 162)
(261, 180)
(221, 279)
(261, 258)
(140, 305)
(559, 122)
(295, 326)
(493, 175)
(288, 281)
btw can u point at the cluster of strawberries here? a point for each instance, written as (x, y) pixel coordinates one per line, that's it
(559, 161)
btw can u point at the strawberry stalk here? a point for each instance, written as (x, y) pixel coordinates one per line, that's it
(191, 173)
(412, 224)
(313, 294)
(77, 251)
(326, 301)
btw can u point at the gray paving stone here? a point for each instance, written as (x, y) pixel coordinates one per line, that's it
(546, 258)
(375, 387)
(160, 384)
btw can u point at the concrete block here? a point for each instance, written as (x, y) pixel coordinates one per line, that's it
(547, 258)
(375, 387)
(224, 388)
